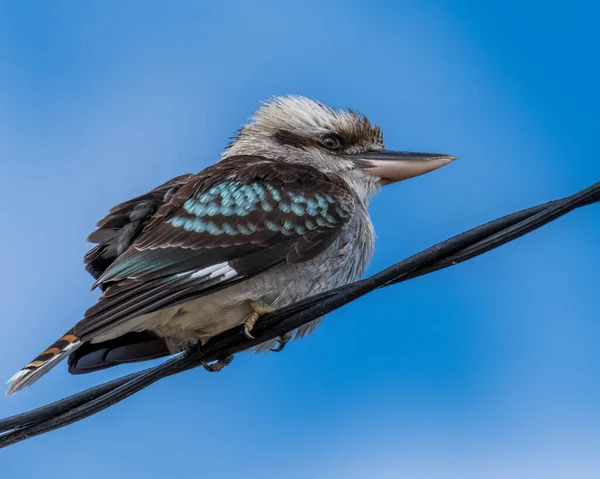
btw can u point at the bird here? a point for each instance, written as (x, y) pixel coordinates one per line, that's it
(280, 216)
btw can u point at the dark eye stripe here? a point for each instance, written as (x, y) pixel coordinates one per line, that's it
(284, 137)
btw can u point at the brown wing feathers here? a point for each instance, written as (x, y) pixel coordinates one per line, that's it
(248, 213)
(124, 223)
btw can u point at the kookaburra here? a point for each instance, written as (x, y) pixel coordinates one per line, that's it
(280, 217)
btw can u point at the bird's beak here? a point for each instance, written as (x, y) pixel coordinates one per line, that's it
(392, 166)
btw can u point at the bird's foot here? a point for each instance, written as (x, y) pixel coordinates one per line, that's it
(218, 365)
(282, 341)
(258, 309)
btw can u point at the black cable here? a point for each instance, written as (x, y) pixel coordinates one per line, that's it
(460, 248)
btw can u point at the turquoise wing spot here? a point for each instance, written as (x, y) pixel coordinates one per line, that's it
(226, 185)
(297, 198)
(347, 207)
(274, 193)
(340, 210)
(212, 210)
(240, 211)
(297, 208)
(299, 229)
(227, 201)
(193, 207)
(288, 224)
(272, 226)
(266, 206)
(227, 210)
(286, 208)
(321, 221)
(259, 190)
(227, 228)
(189, 224)
(321, 202)
(312, 206)
(213, 229)
(243, 229)
(248, 194)
(280, 229)
(237, 196)
(310, 224)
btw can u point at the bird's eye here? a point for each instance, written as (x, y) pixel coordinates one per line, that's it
(331, 142)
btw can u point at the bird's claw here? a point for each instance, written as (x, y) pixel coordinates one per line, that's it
(246, 331)
(258, 309)
(281, 342)
(218, 365)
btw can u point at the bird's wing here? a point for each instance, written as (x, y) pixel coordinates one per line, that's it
(233, 220)
(124, 223)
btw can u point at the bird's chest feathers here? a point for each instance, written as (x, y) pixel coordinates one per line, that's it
(342, 262)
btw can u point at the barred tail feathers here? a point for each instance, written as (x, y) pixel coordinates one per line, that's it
(43, 363)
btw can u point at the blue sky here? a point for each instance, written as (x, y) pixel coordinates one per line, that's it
(489, 369)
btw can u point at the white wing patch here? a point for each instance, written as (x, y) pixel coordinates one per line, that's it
(220, 271)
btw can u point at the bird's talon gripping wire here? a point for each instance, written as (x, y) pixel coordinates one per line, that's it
(219, 365)
(281, 342)
(258, 309)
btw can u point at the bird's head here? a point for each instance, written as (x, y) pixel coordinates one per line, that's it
(299, 130)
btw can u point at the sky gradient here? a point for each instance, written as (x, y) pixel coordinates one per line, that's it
(488, 369)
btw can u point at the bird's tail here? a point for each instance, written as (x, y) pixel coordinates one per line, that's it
(43, 363)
